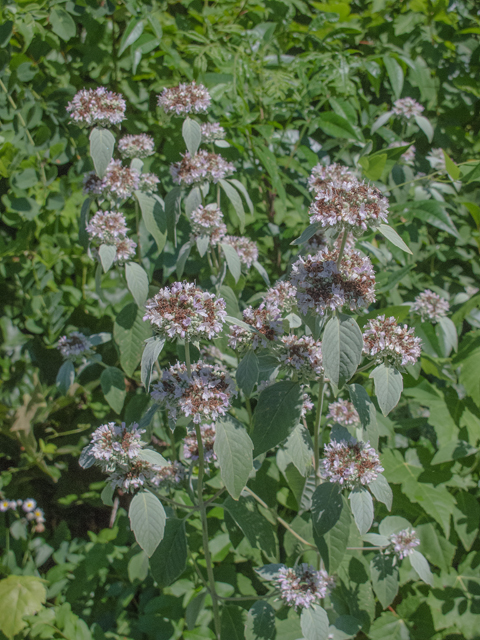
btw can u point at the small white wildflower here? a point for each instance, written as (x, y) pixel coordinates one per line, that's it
(208, 221)
(4, 505)
(322, 175)
(29, 505)
(303, 586)
(430, 306)
(114, 445)
(404, 542)
(185, 98)
(107, 226)
(350, 464)
(282, 296)
(385, 338)
(136, 146)
(201, 167)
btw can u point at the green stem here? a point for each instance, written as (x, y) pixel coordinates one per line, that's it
(342, 247)
(137, 221)
(203, 516)
(316, 433)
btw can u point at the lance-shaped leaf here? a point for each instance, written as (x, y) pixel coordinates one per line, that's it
(147, 520)
(395, 75)
(153, 215)
(299, 449)
(107, 494)
(240, 187)
(327, 505)
(182, 258)
(382, 491)
(388, 386)
(390, 234)
(384, 574)
(86, 459)
(169, 560)
(234, 197)
(309, 232)
(232, 623)
(130, 332)
(342, 346)
(82, 232)
(65, 376)
(192, 134)
(234, 450)
(257, 530)
(102, 143)
(247, 372)
(153, 348)
(425, 126)
(361, 503)
(107, 254)
(172, 211)
(137, 281)
(314, 623)
(132, 33)
(113, 387)
(366, 412)
(420, 564)
(260, 624)
(233, 261)
(333, 544)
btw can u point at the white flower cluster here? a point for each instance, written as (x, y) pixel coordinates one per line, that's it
(350, 464)
(283, 295)
(407, 108)
(303, 586)
(109, 227)
(343, 412)
(322, 285)
(352, 205)
(33, 514)
(409, 155)
(267, 321)
(384, 338)
(190, 444)
(185, 311)
(404, 542)
(204, 395)
(322, 175)
(212, 131)
(118, 183)
(74, 345)
(301, 356)
(148, 182)
(246, 249)
(97, 107)
(203, 166)
(136, 146)
(185, 98)
(430, 306)
(208, 221)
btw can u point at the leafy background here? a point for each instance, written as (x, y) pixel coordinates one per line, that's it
(292, 82)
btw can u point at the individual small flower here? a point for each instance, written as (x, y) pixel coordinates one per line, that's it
(185, 311)
(190, 444)
(246, 249)
(97, 107)
(201, 167)
(74, 345)
(430, 306)
(404, 542)
(139, 473)
(407, 108)
(267, 322)
(436, 159)
(125, 249)
(169, 474)
(343, 412)
(4, 505)
(29, 505)
(205, 395)
(307, 405)
(39, 516)
(409, 155)
(114, 445)
(350, 464)
(322, 175)
(322, 285)
(354, 206)
(208, 221)
(13, 505)
(301, 357)
(282, 296)
(107, 226)
(136, 146)
(303, 586)
(120, 182)
(212, 131)
(148, 182)
(185, 98)
(384, 338)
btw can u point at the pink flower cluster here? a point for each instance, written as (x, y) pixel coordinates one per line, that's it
(190, 444)
(118, 183)
(404, 542)
(282, 295)
(267, 322)
(384, 338)
(208, 221)
(343, 412)
(246, 249)
(301, 356)
(136, 146)
(74, 345)
(109, 227)
(303, 586)
(201, 167)
(350, 464)
(185, 98)
(407, 108)
(430, 306)
(114, 445)
(97, 107)
(212, 131)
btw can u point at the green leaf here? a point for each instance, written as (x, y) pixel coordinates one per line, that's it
(260, 624)
(388, 386)
(132, 33)
(247, 373)
(102, 142)
(392, 235)
(82, 233)
(170, 557)
(383, 119)
(257, 530)
(447, 336)
(233, 261)
(425, 126)
(232, 623)
(466, 517)
(452, 169)
(172, 212)
(382, 491)
(137, 281)
(277, 413)
(393, 524)
(327, 505)
(19, 596)
(373, 165)
(299, 449)
(309, 232)
(384, 578)
(342, 346)
(420, 564)
(262, 271)
(65, 376)
(337, 127)
(113, 387)
(269, 161)
(138, 567)
(62, 23)
(233, 448)
(147, 521)
(192, 134)
(395, 75)
(240, 187)
(153, 348)
(107, 254)
(389, 625)
(107, 494)
(455, 450)
(333, 544)
(130, 333)
(153, 457)
(434, 213)
(362, 508)
(153, 215)
(86, 459)
(236, 200)
(193, 200)
(182, 258)
(314, 623)
(366, 412)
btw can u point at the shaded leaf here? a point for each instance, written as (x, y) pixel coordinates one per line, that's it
(147, 520)
(169, 560)
(233, 448)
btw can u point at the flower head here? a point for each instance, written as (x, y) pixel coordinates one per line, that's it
(350, 464)
(185, 311)
(303, 586)
(267, 321)
(430, 306)
(118, 183)
(204, 395)
(107, 226)
(321, 284)
(208, 221)
(29, 505)
(114, 445)
(212, 131)
(136, 146)
(407, 156)
(170, 474)
(385, 338)
(148, 182)
(301, 356)
(323, 175)
(201, 167)
(138, 473)
(74, 345)
(343, 412)
(185, 98)
(404, 542)
(282, 296)
(407, 108)
(97, 107)
(190, 444)
(4, 505)
(246, 249)
(125, 249)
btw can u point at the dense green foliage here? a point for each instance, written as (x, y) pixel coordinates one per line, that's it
(292, 82)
